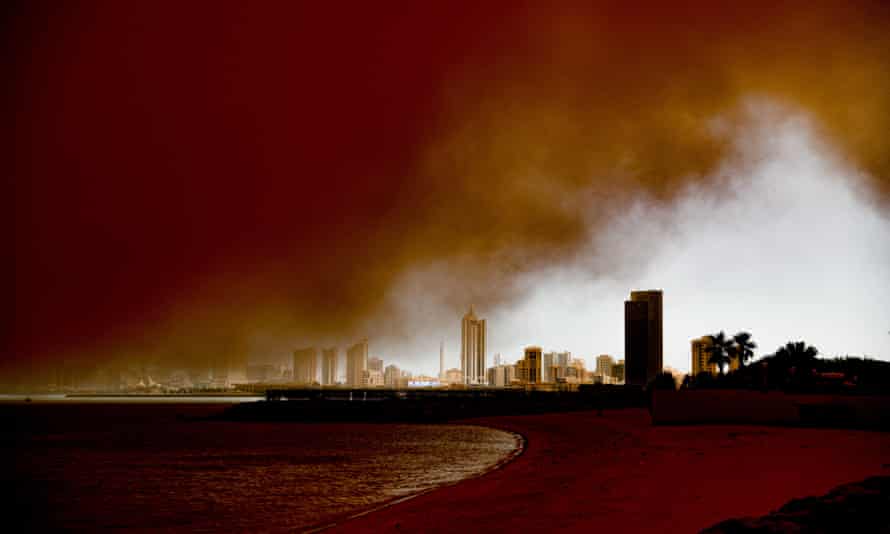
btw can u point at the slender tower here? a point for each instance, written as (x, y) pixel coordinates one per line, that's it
(441, 360)
(472, 349)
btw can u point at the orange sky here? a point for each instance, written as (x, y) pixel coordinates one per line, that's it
(185, 176)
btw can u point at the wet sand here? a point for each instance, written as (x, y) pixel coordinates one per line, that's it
(617, 472)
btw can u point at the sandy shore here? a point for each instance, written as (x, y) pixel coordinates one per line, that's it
(616, 472)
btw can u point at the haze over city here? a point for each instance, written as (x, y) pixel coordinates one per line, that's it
(162, 218)
(447, 266)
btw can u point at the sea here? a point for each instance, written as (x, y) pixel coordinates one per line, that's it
(98, 464)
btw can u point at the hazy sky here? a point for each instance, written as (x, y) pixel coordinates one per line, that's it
(789, 249)
(194, 185)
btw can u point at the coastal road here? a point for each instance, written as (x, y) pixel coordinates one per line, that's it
(618, 473)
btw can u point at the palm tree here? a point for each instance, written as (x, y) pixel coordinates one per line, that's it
(719, 349)
(797, 353)
(743, 347)
(797, 357)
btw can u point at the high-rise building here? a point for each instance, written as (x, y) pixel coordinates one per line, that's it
(501, 376)
(357, 364)
(562, 364)
(329, 366)
(604, 364)
(391, 376)
(618, 372)
(533, 364)
(643, 336)
(305, 365)
(373, 377)
(548, 369)
(701, 355)
(580, 370)
(472, 349)
(441, 360)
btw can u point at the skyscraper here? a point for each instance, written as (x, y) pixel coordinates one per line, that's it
(548, 368)
(604, 364)
(373, 377)
(356, 363)
(441, 360)
(618, 372)
(392, 376)
(329, 366)
(562, 364)
(642, 336)
(305, 365)
(533, 364)
(701, 355)
(472, 349)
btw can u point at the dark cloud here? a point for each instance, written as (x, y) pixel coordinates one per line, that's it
(188, 179)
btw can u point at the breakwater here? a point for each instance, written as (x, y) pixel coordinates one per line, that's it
(378, 405)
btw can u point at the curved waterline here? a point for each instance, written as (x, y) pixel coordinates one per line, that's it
(521, 442)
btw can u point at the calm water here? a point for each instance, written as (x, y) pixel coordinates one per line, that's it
(94, 466)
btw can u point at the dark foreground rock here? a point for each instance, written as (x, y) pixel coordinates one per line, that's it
(857, 507)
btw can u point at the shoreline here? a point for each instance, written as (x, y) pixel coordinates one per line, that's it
(581, 471)
(522, 444)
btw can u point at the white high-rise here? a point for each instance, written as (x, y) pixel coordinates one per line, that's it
(472, 349)
(357, 364)
(329, 366)
(441, 360)
(305, 365)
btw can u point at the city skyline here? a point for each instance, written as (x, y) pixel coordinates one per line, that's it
(539, 206)
(588, 325)
(447, 266)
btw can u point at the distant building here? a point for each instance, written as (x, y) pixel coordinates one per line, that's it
(643, 336)
(521, 369)
(357, 364)
(441, 360)
(373, 379)
(532, 361)
(491, 377)
(392, 377)
(454, 376)
(562, 364)
(548, 367)
(501, 376)
(329, 366)
(603, 372)
(580, 371)
(305, 365)
(262, 373)
(422, 381)
(618, 372)
(574, 373)
(374, 376)
(472, 349)
(701, 355)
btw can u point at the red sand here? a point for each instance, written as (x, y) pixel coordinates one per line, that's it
(617, 472)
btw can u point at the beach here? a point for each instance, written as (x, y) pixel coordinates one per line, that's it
(148, 466)
(617, 472)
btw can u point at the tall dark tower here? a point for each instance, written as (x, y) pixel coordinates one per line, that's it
(642, 337)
